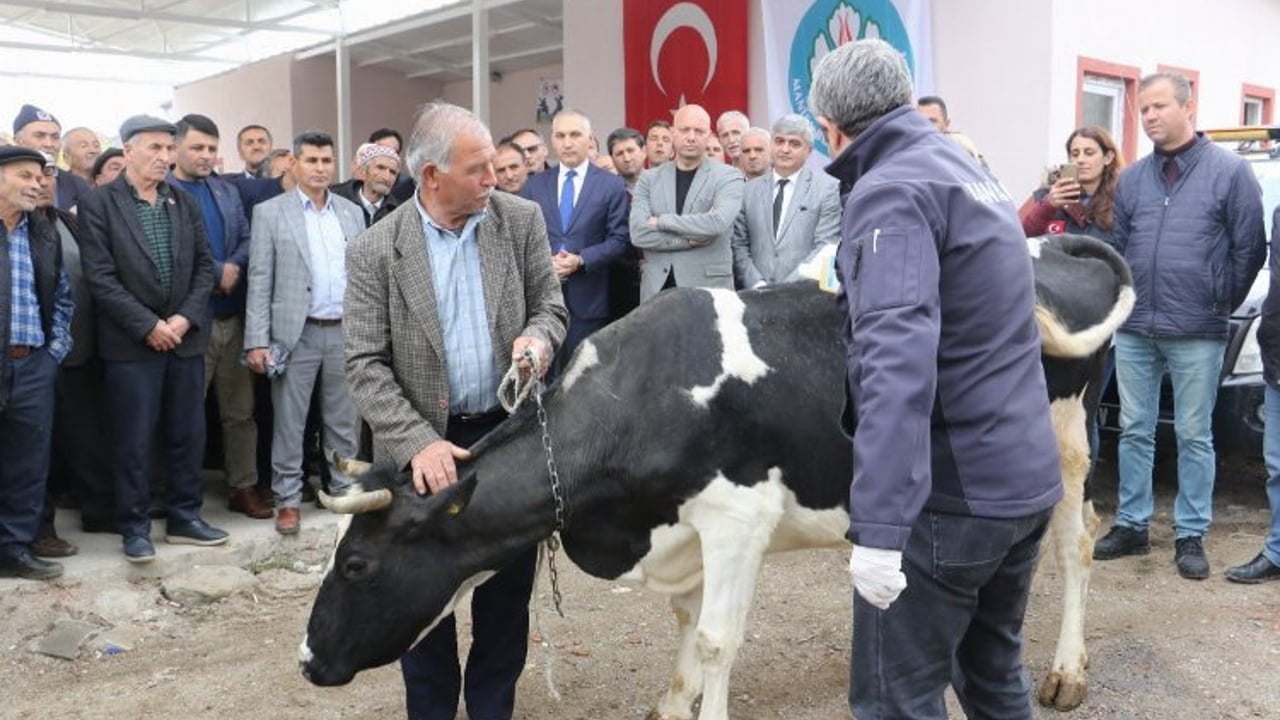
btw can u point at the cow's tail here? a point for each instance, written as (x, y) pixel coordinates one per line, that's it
(1057, 340)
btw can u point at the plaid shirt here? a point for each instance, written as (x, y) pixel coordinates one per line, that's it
(468, 346)
(25, 327)
(155, 225)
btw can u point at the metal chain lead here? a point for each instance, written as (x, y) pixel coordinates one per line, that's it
(557, 495)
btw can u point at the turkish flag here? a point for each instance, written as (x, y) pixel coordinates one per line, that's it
(684, 52)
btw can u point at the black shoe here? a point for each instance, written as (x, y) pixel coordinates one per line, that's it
(1258, 570)
(25, 565)
(196, 532)
(1189, 555)
(138, 549)
(1121, 541)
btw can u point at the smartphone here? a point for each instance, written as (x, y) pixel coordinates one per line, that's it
(1069, 171)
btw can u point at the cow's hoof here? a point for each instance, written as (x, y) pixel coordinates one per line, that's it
(1063, 691)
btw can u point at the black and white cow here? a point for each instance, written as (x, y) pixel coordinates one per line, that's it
(694, 436)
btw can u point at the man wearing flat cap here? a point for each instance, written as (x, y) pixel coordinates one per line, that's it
(35, 335)
(380, 165)
(150, 273)
(38, 130)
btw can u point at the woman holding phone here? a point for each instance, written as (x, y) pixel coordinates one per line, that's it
(1080, 196)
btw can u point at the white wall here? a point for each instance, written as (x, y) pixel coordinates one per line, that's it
(991, 64)
(513, 102)
(252, 94)
(1230, 45)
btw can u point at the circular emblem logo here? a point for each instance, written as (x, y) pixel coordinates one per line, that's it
(827, 25)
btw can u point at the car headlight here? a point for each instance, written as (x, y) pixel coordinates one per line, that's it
(1249, 359)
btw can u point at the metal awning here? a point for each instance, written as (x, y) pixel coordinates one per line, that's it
(185, 40)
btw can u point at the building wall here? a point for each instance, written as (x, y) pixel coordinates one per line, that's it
(513, 101)
(1135, 34)
(996, 92)
(258, 93)
(289, 96)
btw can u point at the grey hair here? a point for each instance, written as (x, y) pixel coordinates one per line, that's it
(793, 124)
(1181, 85)
(435, 128)
(577, 112)
(735, 115)
(858, 83)
(758, 131)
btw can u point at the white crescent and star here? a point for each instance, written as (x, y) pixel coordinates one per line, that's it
(690, 15)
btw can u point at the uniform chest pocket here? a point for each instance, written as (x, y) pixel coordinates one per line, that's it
(889, 270)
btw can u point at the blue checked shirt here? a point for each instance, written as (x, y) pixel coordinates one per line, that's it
(24, 303)
(468, 346)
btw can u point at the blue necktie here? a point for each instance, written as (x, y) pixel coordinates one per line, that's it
(566, 200)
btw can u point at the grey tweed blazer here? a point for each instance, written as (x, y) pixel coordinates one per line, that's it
(280, 268)
(396, 368)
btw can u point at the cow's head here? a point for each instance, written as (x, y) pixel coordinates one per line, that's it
(396, 570)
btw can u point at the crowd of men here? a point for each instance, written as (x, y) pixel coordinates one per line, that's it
(378, 312)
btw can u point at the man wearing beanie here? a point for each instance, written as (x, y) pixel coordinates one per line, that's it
(150, 274)
(36, 129)
(380, 165)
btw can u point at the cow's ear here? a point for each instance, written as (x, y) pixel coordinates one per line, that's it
(452, 501)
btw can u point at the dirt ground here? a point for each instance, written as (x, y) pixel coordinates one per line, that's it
(1161, 648)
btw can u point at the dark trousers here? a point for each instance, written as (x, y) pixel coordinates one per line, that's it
(959, 622)
(26, 426)
(169, 390)
(80, 454)
(500, 638)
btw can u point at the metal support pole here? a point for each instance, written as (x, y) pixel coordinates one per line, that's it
(480, 60)
(342, 61)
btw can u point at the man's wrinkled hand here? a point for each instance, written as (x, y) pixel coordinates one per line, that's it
(230, 276)
(877, 575)
(539, 349)
(162, 338)
(433, 467)
(257, 359)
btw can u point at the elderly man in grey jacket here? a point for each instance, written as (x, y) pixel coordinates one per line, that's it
(1188, 219)
(442, 295)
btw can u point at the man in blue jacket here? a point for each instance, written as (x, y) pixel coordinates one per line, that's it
(1188, 219)
(586, 212)
(957, 464)
(227, 231)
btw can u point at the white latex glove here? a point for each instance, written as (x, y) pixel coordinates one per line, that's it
(877, 575)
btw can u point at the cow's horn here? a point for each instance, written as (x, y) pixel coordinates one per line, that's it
(349, 466)
(356, 501)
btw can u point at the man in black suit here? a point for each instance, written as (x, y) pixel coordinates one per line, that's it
(150, 273)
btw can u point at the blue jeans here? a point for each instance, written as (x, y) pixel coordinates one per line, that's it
(1271, 452)
(26, 426)
(959, 622)
(1194, 365)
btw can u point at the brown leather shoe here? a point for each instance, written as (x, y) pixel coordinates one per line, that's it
(247, 501)
(53, 547)
(288, 520)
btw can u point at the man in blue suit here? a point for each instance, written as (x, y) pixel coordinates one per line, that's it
(227, 232)
(586, 212)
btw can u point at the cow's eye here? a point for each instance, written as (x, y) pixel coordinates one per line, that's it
(355, 568)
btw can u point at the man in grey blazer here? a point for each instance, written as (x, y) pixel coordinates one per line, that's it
(682, 213)
(294, 313)
(442, 295)
(787, 214)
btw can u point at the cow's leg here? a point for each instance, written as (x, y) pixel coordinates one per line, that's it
(735, 525)
(1066, 684)
(686, 682)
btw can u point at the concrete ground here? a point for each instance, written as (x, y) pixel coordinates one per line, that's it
(102, 559)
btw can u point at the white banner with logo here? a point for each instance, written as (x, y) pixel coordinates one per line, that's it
(798, 33)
